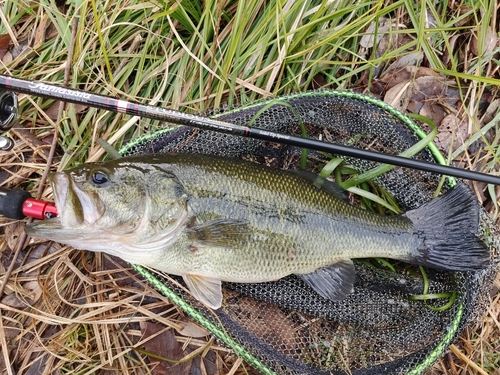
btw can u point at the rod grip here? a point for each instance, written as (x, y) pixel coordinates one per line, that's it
(11, 203)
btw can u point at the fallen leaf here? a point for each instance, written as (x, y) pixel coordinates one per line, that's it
(489, 44)
(422, 94)
(164, 345)
(27, 296)
(432, 110)
(37, 366)
(464, 14)
(368, 39)
(452, 132)
(395, 96)
(33, 291)
(40, 148)
(4, 44)
(318, 81)
(395, 76)
(206, 365)
(428, 87)
(411, 59)
(191, 329)
(40, 31)
(7, 59)
(53, 110)
(12, 233)
(430, 20)
(446, 53)
(38, 252)
(378, 36)
(268, 323)
(12, 300)
(22, 48)
(491, 111)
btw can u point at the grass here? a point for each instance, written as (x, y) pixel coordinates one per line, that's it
(199, 56)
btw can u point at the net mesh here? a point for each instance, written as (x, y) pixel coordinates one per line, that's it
(286, 326)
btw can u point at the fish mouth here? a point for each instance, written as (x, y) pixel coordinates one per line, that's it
(60, 189)
(59, 226)
(75, 208)
(67, 203)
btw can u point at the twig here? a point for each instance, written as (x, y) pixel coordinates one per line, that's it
(467, 360)
(235, 367)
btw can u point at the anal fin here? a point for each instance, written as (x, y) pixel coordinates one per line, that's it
(333, 282)
(205, 289)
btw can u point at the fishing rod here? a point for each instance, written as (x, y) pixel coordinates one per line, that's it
(157, 113)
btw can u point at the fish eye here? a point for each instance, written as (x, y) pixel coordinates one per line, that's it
(99, 178)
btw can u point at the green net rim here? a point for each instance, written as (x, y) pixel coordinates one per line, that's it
(220, 333)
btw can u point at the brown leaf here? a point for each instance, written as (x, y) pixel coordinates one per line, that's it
(429, 87)
(446, 53)
(37, 366)
(12, 233)
(489, 44)
(395, 76)
(40, 148)
(4, 44)
(164, 345)
(7, 59)
(53, 110)
(269, 323)
(207, 364)
(434, 111)
(396, 95)
(421, 94)
(491, 111)
(27, 296)
(452, 132)
(12, 300)
(411, 59)
(33, 291)
(40, 31)
(22, 48)
(368, 39)
(191, 329)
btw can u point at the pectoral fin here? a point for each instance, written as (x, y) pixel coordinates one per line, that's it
(220, 232)
(333, 282)
(205, 289)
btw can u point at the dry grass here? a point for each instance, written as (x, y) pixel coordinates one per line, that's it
(65, 311)
(73, 312)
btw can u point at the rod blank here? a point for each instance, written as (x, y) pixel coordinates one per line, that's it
(167, 115)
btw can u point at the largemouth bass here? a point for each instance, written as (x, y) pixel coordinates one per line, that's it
(210, 219)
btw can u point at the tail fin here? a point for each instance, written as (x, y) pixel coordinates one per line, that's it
(447, 228)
